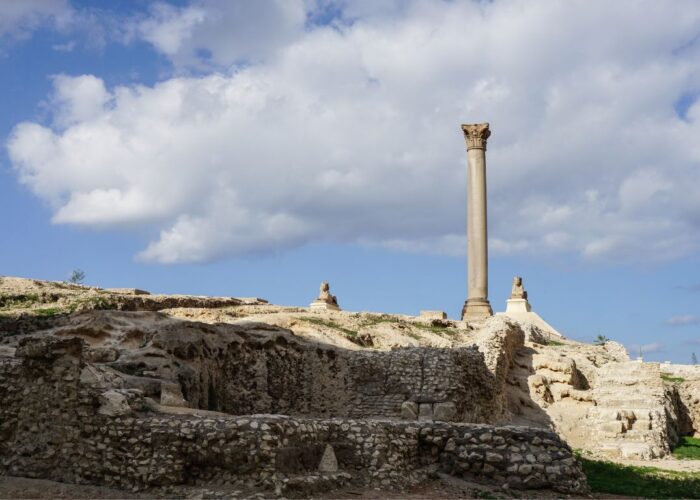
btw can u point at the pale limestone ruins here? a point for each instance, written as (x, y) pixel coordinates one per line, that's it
(219, 397)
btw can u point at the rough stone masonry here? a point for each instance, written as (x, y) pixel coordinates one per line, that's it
(67, 419)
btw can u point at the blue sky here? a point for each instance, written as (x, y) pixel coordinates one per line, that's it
(257, 148)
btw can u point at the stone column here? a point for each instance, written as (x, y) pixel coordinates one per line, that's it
(477, 304)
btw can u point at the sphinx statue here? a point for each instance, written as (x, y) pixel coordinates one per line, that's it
(325, 294)
(518, 291)
(325, 299)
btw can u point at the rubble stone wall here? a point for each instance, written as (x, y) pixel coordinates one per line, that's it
(279, 374)
(62, 420)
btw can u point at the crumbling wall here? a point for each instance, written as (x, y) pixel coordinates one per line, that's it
(260, 369)
(499, 341)
(68, 420)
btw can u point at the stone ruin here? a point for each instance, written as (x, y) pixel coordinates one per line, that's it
(244, 398)
(253, 407)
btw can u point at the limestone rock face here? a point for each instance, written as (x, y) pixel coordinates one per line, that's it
(689, 394)
(171, 394)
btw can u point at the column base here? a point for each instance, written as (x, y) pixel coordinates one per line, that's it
(476, 309)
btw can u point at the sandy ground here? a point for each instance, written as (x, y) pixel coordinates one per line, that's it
(22, 487)
(442, 488)
(667, 464)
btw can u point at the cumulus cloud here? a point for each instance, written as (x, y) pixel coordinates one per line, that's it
(349, 132)
(683, 320)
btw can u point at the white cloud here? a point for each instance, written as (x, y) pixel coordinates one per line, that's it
(350, 132)
(683, 320)
(18, 18)
(78, 99)
(224, 32)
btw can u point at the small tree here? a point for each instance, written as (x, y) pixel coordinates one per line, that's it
(77, 277)
(693, 359)
(601, 340)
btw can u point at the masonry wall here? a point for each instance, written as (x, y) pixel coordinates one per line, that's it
(279, 374)
(61, 420)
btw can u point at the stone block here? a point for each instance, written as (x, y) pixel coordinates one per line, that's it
(329, 462)
(493, 457)
(525, 469)
(113, 403)
(433, 314)
(445, 411)
(409, 410)
(616, 427)
(425, 411)
(171, 394)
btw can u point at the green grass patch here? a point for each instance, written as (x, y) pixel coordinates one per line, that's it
(667, 377)
(688, 449)
(377, 320)
(331, 324)
(18, 301)
(47, 311)
(413, 335)
(437, 329)
(554, 343)
(645, 482)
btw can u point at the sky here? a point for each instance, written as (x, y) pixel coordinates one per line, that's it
(257, 148)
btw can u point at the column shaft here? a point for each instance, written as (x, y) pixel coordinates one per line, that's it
(477, 304)
(477, 234)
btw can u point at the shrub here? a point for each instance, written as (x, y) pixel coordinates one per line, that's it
(77, 277)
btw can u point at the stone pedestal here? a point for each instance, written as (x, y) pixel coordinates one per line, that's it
(518, 306)
(477, 305)
(321, 305)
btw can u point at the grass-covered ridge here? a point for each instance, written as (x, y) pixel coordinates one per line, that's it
(644, 482)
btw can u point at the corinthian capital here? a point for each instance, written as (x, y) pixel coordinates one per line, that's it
(476, 135)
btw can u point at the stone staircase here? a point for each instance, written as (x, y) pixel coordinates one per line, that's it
(633, 416)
